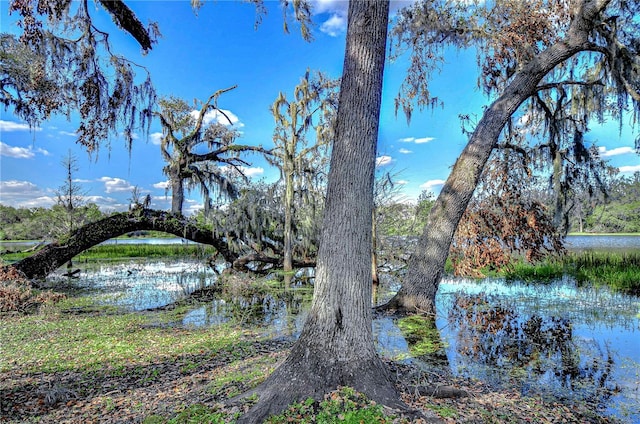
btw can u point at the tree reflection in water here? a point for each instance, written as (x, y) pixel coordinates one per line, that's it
(537, 354)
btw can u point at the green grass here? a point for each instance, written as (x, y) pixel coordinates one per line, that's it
(576, 233)
(617, 270)
(56, 342)
(344, 405)
(119, 251)
(111, 251)
(443, 411)
(115, 343)
(194, 414)
(545, 271)
(422, 335)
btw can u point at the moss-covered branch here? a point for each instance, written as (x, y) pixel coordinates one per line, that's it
(54, 255)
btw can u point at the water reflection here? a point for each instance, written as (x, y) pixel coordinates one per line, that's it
(538, 351)
(143, 284)
(557, 340)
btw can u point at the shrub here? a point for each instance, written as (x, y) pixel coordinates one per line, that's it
(18, 295)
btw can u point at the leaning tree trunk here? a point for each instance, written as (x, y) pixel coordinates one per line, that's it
(54, 255)
(336, 344)
(426, 265)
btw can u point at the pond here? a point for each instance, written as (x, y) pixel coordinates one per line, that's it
(141, 284)
(558, 340)
(569, 343)
(603, 242)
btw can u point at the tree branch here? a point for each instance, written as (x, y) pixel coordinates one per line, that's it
(127, 20)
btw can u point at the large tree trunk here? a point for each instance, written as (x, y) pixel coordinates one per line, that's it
(54, 255)
(426, 266)
(336, 344)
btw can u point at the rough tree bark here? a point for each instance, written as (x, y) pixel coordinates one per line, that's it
(56, 254)
(426, 265)
(336, 344)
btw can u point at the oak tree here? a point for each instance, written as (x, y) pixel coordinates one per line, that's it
(583, 54)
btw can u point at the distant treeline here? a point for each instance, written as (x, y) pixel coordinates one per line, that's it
(43, 223)
(618, 213)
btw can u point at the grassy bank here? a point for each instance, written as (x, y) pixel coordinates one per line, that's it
(617, 270)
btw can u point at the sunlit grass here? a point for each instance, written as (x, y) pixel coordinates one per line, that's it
(54, 341)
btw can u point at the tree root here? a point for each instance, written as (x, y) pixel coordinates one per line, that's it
(304, 376)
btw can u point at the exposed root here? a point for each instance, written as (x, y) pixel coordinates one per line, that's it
(304, 376)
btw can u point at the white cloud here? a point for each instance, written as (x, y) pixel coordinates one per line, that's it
(106, 204)
(383, 161)
(424, 140)
(15, 152)
(337, 10)
(335, 25)
(16, 126)
(36, 202)
(220, 116)
(155, 138)
(401, 182)
(113, 184)
(68, 133)
(16, 188)
(432, 185)
(330, 6)
(615, 152)
(629, 169)
(405, 151)
(252, 171)
(162, 185)
(24, 194)
(134, 136)
(20, 152)
(191, 207)
(415, 140)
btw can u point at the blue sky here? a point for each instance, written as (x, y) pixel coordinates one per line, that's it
(220, 47)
